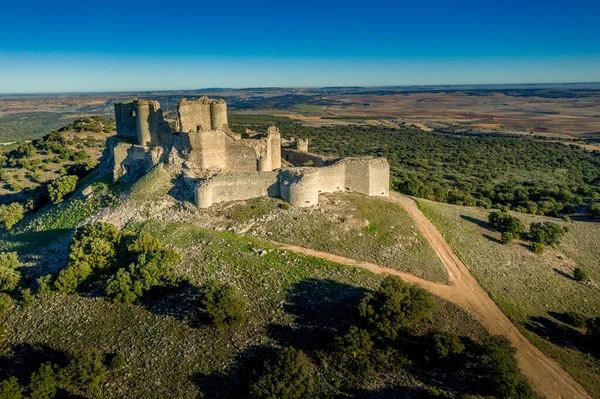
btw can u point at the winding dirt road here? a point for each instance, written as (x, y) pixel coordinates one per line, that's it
(547, 377)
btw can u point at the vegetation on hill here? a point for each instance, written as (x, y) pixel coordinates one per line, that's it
(526, 175)
(545, 295)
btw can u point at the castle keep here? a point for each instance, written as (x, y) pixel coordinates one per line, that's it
(221, 165)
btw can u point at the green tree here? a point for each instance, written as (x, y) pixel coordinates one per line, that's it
(223, 304)
(9, 277)
(395, 305)
(510, 226)
(595, 209)
(501, 371)
(62, 187)
(11, 214)
(579, 274)
(445, 345)
(288, 376)
(547, 233)
(43, 383)
(85, 370)
(10, 389)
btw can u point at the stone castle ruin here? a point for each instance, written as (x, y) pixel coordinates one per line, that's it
(220, 165)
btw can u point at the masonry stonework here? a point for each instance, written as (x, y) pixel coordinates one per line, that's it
(224, 166)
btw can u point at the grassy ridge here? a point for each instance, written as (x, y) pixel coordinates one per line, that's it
(532, 289)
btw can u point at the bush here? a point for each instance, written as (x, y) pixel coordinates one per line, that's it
(505, 223)
(579, 274)
(5, 302)
(595, 209)
(85, 370)
(224, 305)
(43, 383)
(507, 237)
(10, 389)
(11, 214)
(288, 376)
(150, 265)
(394, 306)
(536, 247)
(61, 188)
(547, 233)
(116, 362)
(501, 371)
(445, 345)
(9, 277)
(352, 354)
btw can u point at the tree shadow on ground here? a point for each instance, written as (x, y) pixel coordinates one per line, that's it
(561, 273)
(558, 334)
(321, 308)
(26, 359)
(233, 382)
(396, 392)
(181, 302)
(481, 223)
(492, 239)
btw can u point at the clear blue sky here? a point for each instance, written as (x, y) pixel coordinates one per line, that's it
(53, 46)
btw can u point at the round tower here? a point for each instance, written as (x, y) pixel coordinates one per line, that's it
(218, 114)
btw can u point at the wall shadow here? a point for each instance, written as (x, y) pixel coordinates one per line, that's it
(321, 308)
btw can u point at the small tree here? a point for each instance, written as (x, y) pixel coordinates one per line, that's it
(62, 187)
(10, 389)
(224, 304)
(9, 277)
(288, 376)
(117, 361)
(446, 345)
(579, 274)
(11, 214)
(547, 233)
(352, 353)
(394, 306)
(510, 227)
(43, 383)
(536, 247)
(85, 369)
(595, 209)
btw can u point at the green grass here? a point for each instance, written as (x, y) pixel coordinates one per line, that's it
(167, 345)
(311, 109)
(346, 224)
(530, 287)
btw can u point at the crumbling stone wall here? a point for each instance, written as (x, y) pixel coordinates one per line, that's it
(143, 119)
(298, 186)
(302, 158)
(132, 161)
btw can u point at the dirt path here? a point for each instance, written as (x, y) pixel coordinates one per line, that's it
(547, 377)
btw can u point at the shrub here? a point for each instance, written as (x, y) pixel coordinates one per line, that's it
(9, 277)
(11, 214)
(595, 209)
(43, 383)
(43, 285)
(445, 345)
(10, 389)
(85, 369)
(574, 319)
(117, 361)
(61, 188)
(394, 306)
(288, 376)
(224, 305)
(579, 274)
(536, 247)
(352, 353)
(27, 298)
(505, 223)
(546, 233)
(506, 237)
(5, 302)
(150, 265)
(501, 371)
